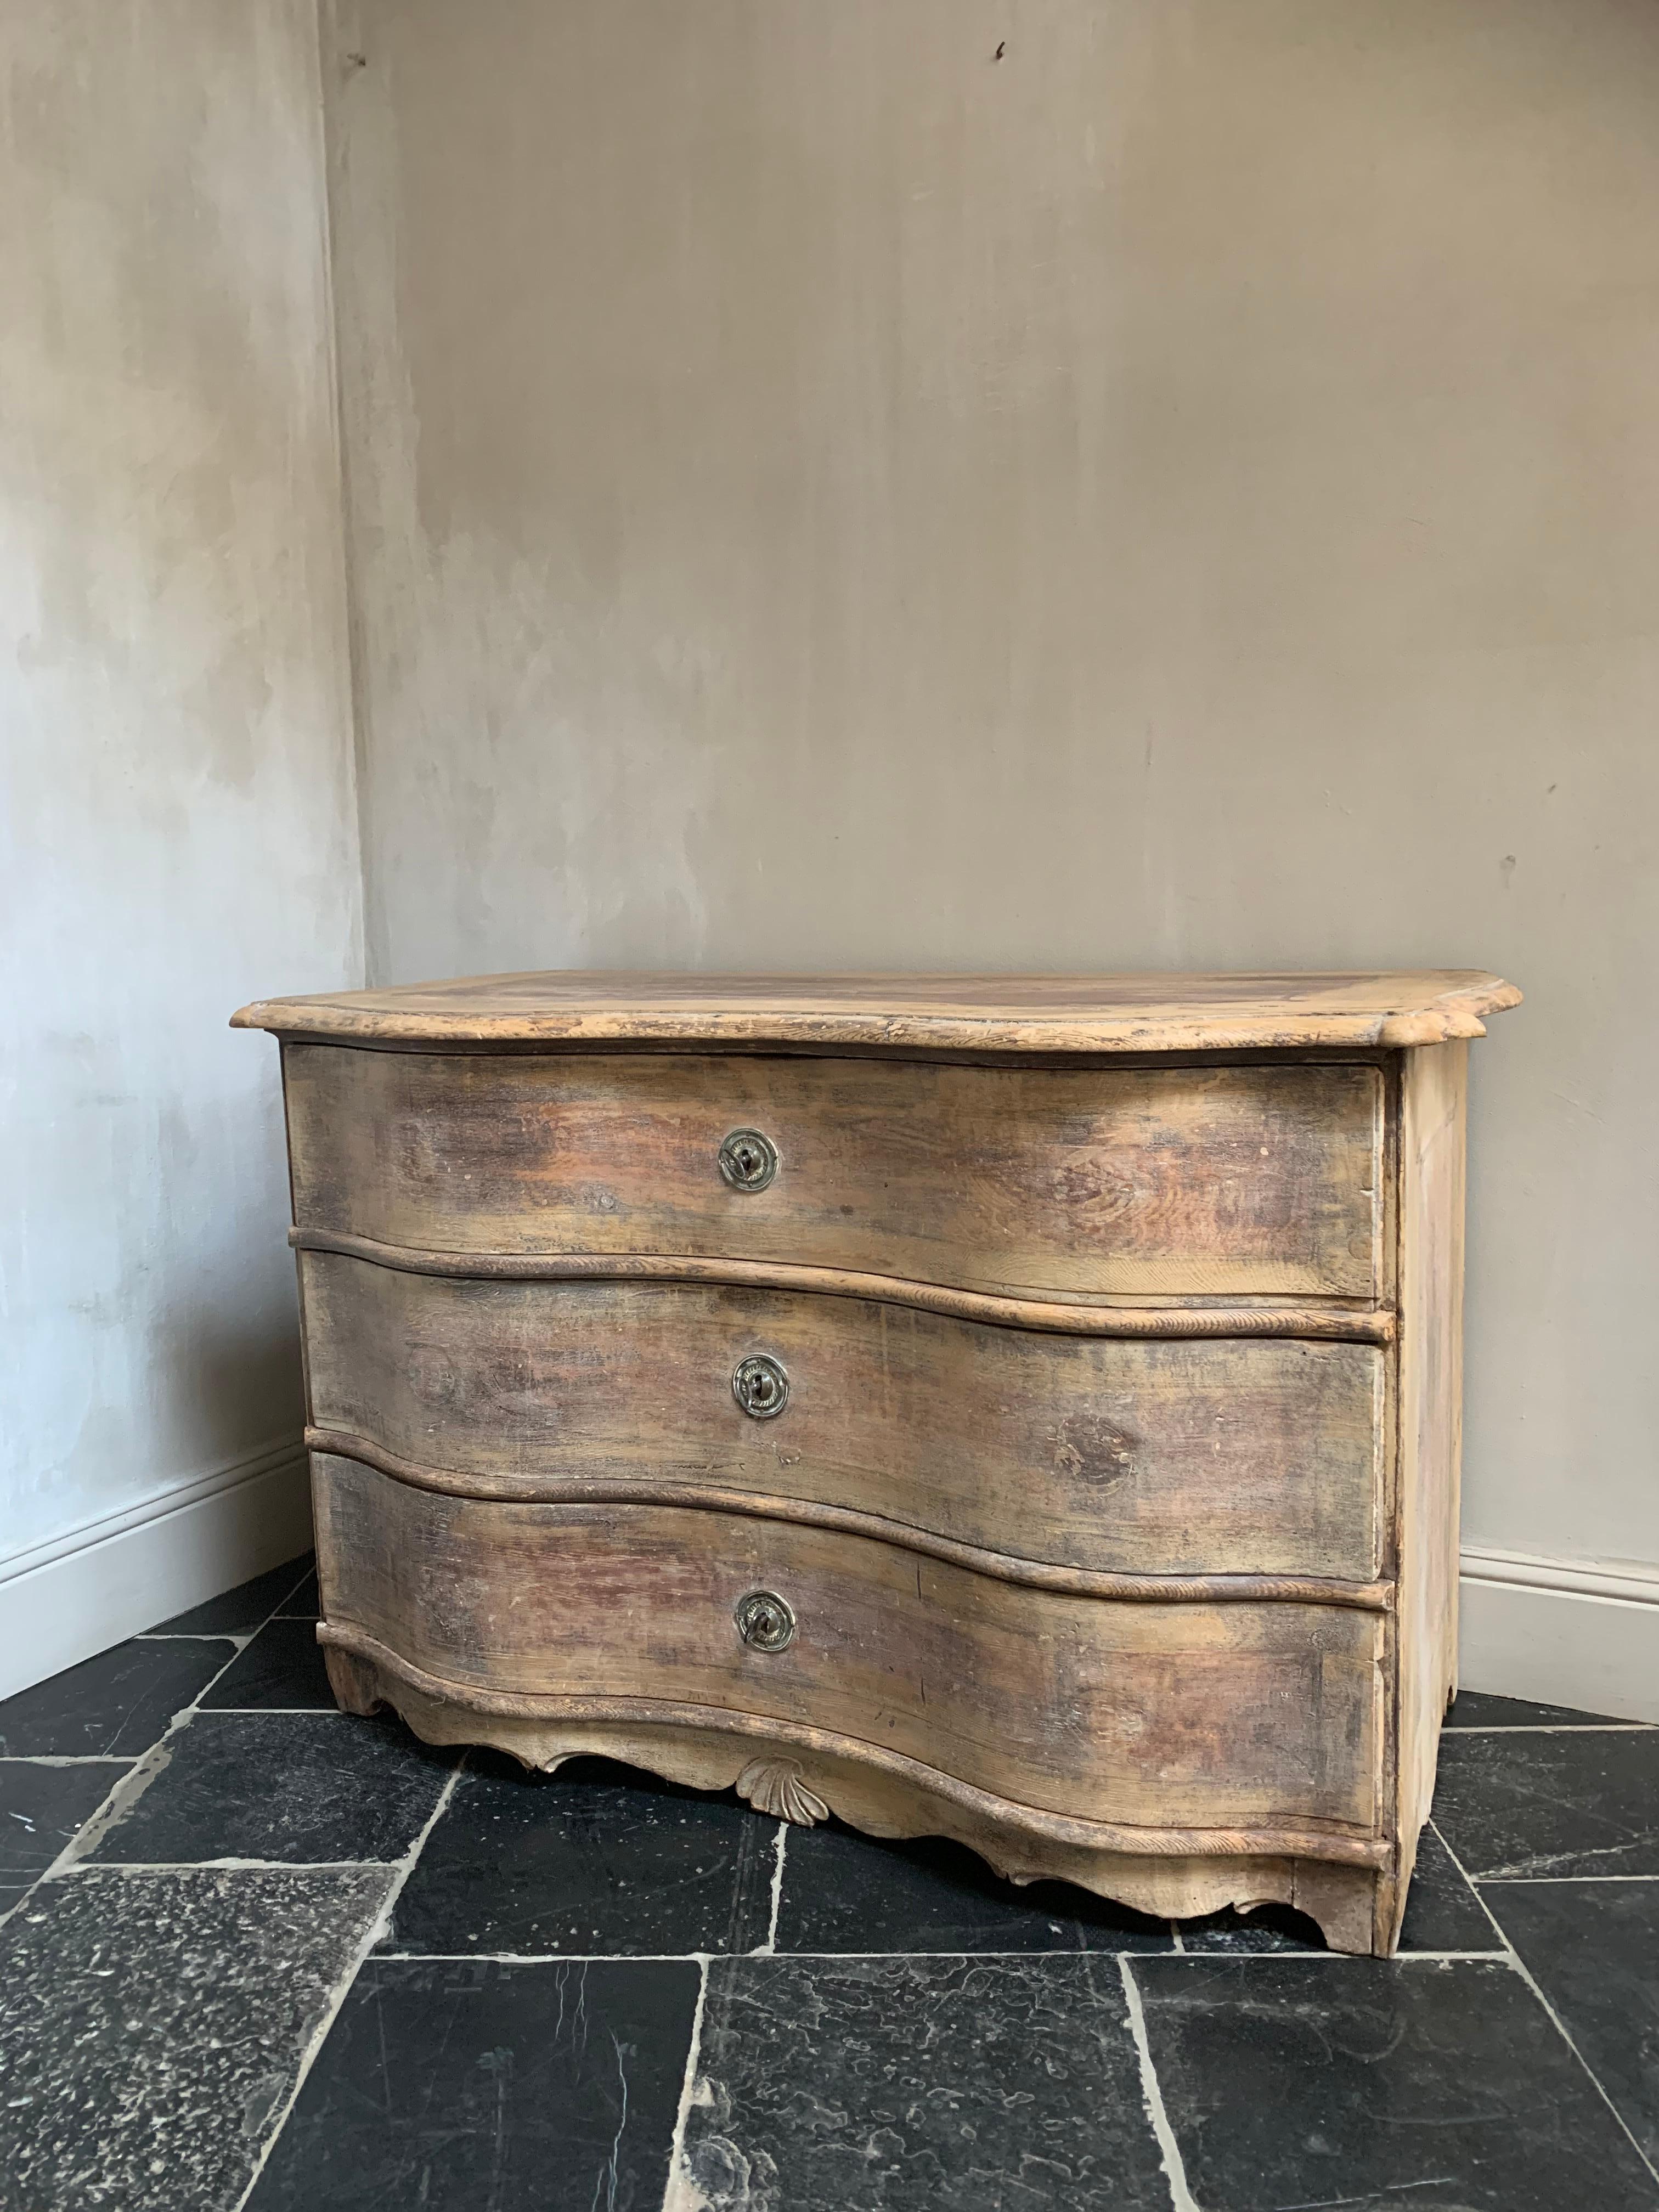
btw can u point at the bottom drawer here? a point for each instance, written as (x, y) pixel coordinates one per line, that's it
(1200, 1715)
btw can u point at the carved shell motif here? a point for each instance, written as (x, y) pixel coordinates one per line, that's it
(774, 1786)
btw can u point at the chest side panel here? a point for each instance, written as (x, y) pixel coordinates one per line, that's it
(1433, 1092)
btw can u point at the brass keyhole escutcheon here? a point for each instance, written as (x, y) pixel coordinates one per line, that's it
(765, 1621)
(760, 1386)
(748, 1160)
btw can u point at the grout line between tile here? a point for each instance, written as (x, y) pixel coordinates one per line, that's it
(196, 1703)
(398, 1872)
(827, 1958)
(227, 1635)
(1474, 1887)
(681, 2193)
(1555, 1727)
(1519, 1965)
(767, 1949)
(65, 1758)
(117, 1802)
(545, 1957)
(1180, 2196)
(1525, 1972)
(198, 1636)
(1497, 1955)
(304, 1575)
(226, 1866)
(1549, 1880)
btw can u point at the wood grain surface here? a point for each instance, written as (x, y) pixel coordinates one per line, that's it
(1325, 1320)
(1432, 1113)
(1218, 1456)
(1233, 1717)
(887, 1796)
(1134, 1585)
(1146, 1012)
(1115, 1492)
(1230, 1181)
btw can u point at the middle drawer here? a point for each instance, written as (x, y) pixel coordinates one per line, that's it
(1243, 1455)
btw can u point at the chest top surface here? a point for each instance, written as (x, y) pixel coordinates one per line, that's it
(1152, 1012)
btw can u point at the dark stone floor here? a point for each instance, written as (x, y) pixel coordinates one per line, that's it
(257, 1952)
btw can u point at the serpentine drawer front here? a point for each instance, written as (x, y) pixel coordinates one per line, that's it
(1018, 1409)
(1257, 1716)
(1183, 1456)
(1230, 1180)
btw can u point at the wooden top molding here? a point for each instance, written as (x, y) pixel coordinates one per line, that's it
(1152, 1012)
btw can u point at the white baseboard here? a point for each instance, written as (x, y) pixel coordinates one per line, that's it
(109, 1579)
(1563, 1632)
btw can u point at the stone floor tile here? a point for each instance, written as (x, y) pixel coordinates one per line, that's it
(468, 2085)
(281, 1668)
(152, 2025)
(1436, 2086)
(299, 1788)
(593, 1860)
(239, 1612)
(1480, 1709)
(300, 1604)
(846, 1891)
(1442, 1913)
(1582, 1802)
(41, 1808)
(1593, 1948)
(116, 1705)
(918, 2085)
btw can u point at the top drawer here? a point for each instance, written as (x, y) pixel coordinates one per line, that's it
(1233, 1180)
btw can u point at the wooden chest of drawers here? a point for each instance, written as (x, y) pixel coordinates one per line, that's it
(1018, 1409)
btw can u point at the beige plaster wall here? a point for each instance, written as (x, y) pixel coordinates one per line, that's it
(180, 820)
(1184, 492)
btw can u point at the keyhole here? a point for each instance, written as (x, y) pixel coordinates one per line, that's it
(760, 1386)
(765, 1621)
(748, 1161)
